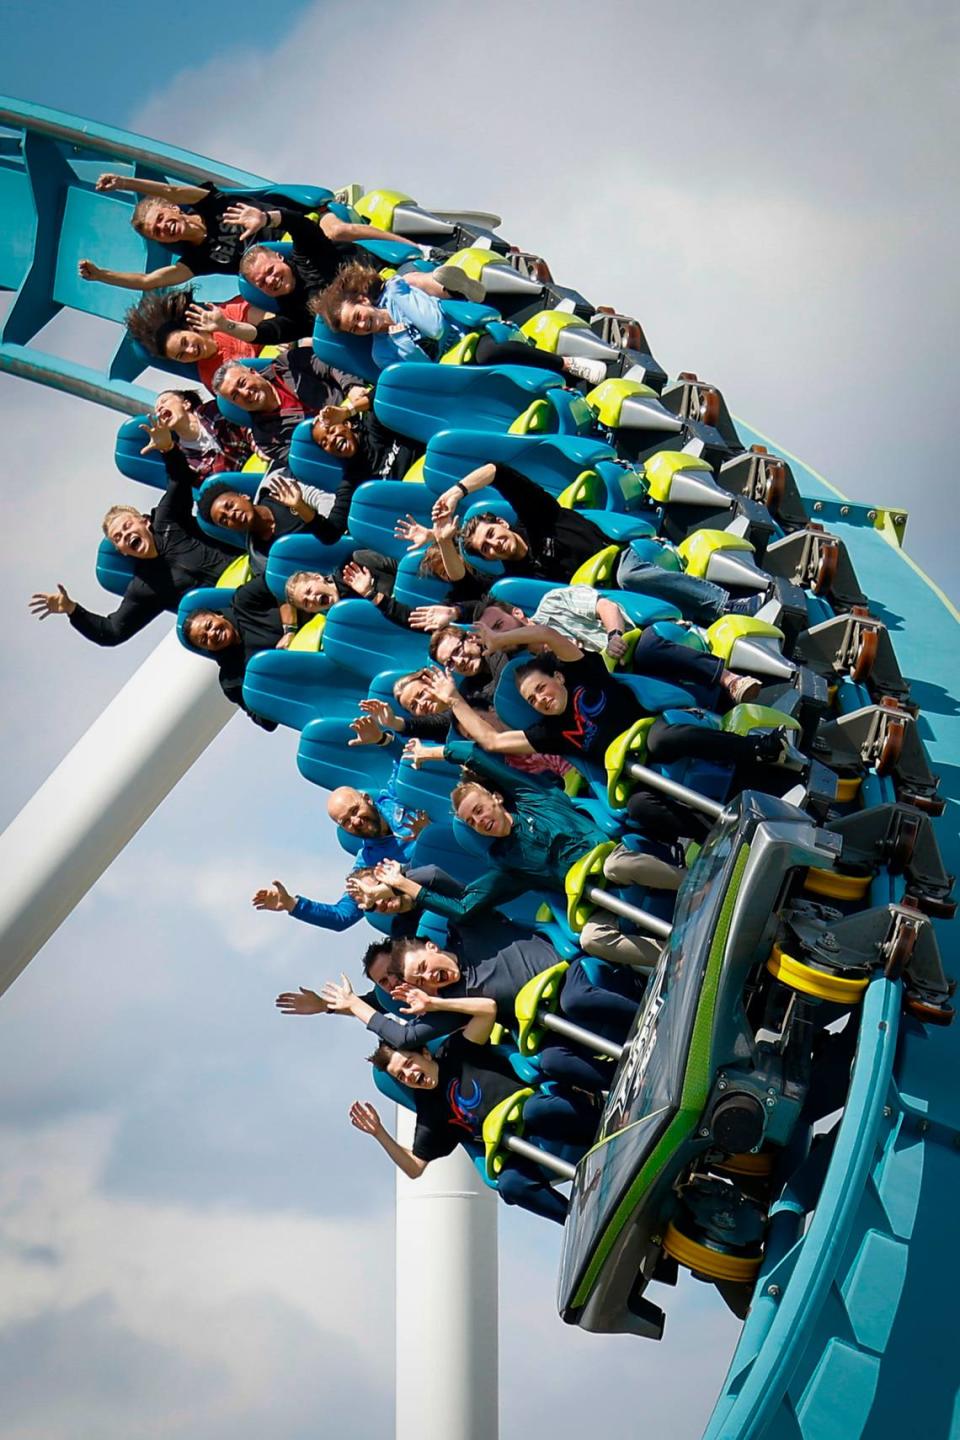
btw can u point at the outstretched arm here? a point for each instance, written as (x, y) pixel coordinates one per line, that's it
(446, 504)
(132, 280)
(345, 232)
(135, 611)
(176, 194)
(473, 725)
(342, 999)
(481, 1009)
(363, 1117)
(529, 637)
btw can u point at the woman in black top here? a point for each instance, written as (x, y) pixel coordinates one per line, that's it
(583, 709)
(253, 621)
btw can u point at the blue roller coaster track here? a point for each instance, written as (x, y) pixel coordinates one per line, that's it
(851, 1329)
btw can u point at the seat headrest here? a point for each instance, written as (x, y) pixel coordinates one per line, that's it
(470, 840)
(243, 485)
(233, 412)
(205, 598)
(249, 292)
(490, 504)
(508, 702)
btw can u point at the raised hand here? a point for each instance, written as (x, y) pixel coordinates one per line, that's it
(432, 617)
(366, 731)
(159, 436)
(302, 1002)
(338, 998)
(359, 579)
(357, 892)
(364, 1117)
(333, 415)
(445, 528)
(416, 752)
(415, 1002)
(418, 822)
(487, 637)
(109, 181)
(413, 532)
(384, 714)
(274, 897)
(43, 605)
(390, 872)
(445, 505)
(286, 490)
(205, 318)
(249, 219)
(442, 684)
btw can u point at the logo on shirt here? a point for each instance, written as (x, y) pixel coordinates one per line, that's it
(583, 732)
(463, 1106)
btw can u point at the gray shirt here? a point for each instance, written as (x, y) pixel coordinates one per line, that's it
(572, 609)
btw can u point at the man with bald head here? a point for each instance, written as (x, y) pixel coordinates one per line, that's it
(386, 830)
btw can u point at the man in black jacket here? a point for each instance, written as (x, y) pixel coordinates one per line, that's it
(171, 555)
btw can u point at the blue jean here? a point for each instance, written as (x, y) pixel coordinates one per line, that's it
(698, 600)
(608, 1008)
(546, 1117)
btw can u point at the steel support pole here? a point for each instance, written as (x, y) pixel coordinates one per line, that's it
(651, 923)
(101, 793)
(523, 1148)
(447, 1300)
(655, 781)
(578, 1035)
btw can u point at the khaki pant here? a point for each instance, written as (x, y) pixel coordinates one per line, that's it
(632, 867)
(604, 939)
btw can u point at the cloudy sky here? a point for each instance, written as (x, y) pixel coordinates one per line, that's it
(192, 1242)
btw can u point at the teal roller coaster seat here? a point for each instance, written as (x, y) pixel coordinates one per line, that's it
(344, 352)
(420, 400)
(362, 640)
(149, 469)
(294, 687)
(552, 461)
(307, 462)
(114, 571)
(376, 507)
(326, 758)
(304, 552)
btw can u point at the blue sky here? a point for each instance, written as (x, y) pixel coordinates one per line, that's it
(114, 78)
(191, 1240)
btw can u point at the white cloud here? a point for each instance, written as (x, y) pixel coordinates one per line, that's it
(246, 1300)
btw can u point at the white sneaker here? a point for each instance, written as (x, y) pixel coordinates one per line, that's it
(593, 371)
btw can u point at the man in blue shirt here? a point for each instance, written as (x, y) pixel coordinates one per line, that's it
(386, 829)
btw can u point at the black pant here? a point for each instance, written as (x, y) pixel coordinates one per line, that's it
(515, 352)
(695, 670)
(666, 743)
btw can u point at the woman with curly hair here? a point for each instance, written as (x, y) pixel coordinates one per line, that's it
(170, 324)
(406, 321)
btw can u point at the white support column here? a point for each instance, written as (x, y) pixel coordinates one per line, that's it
(447, 1301)
(101, 793)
